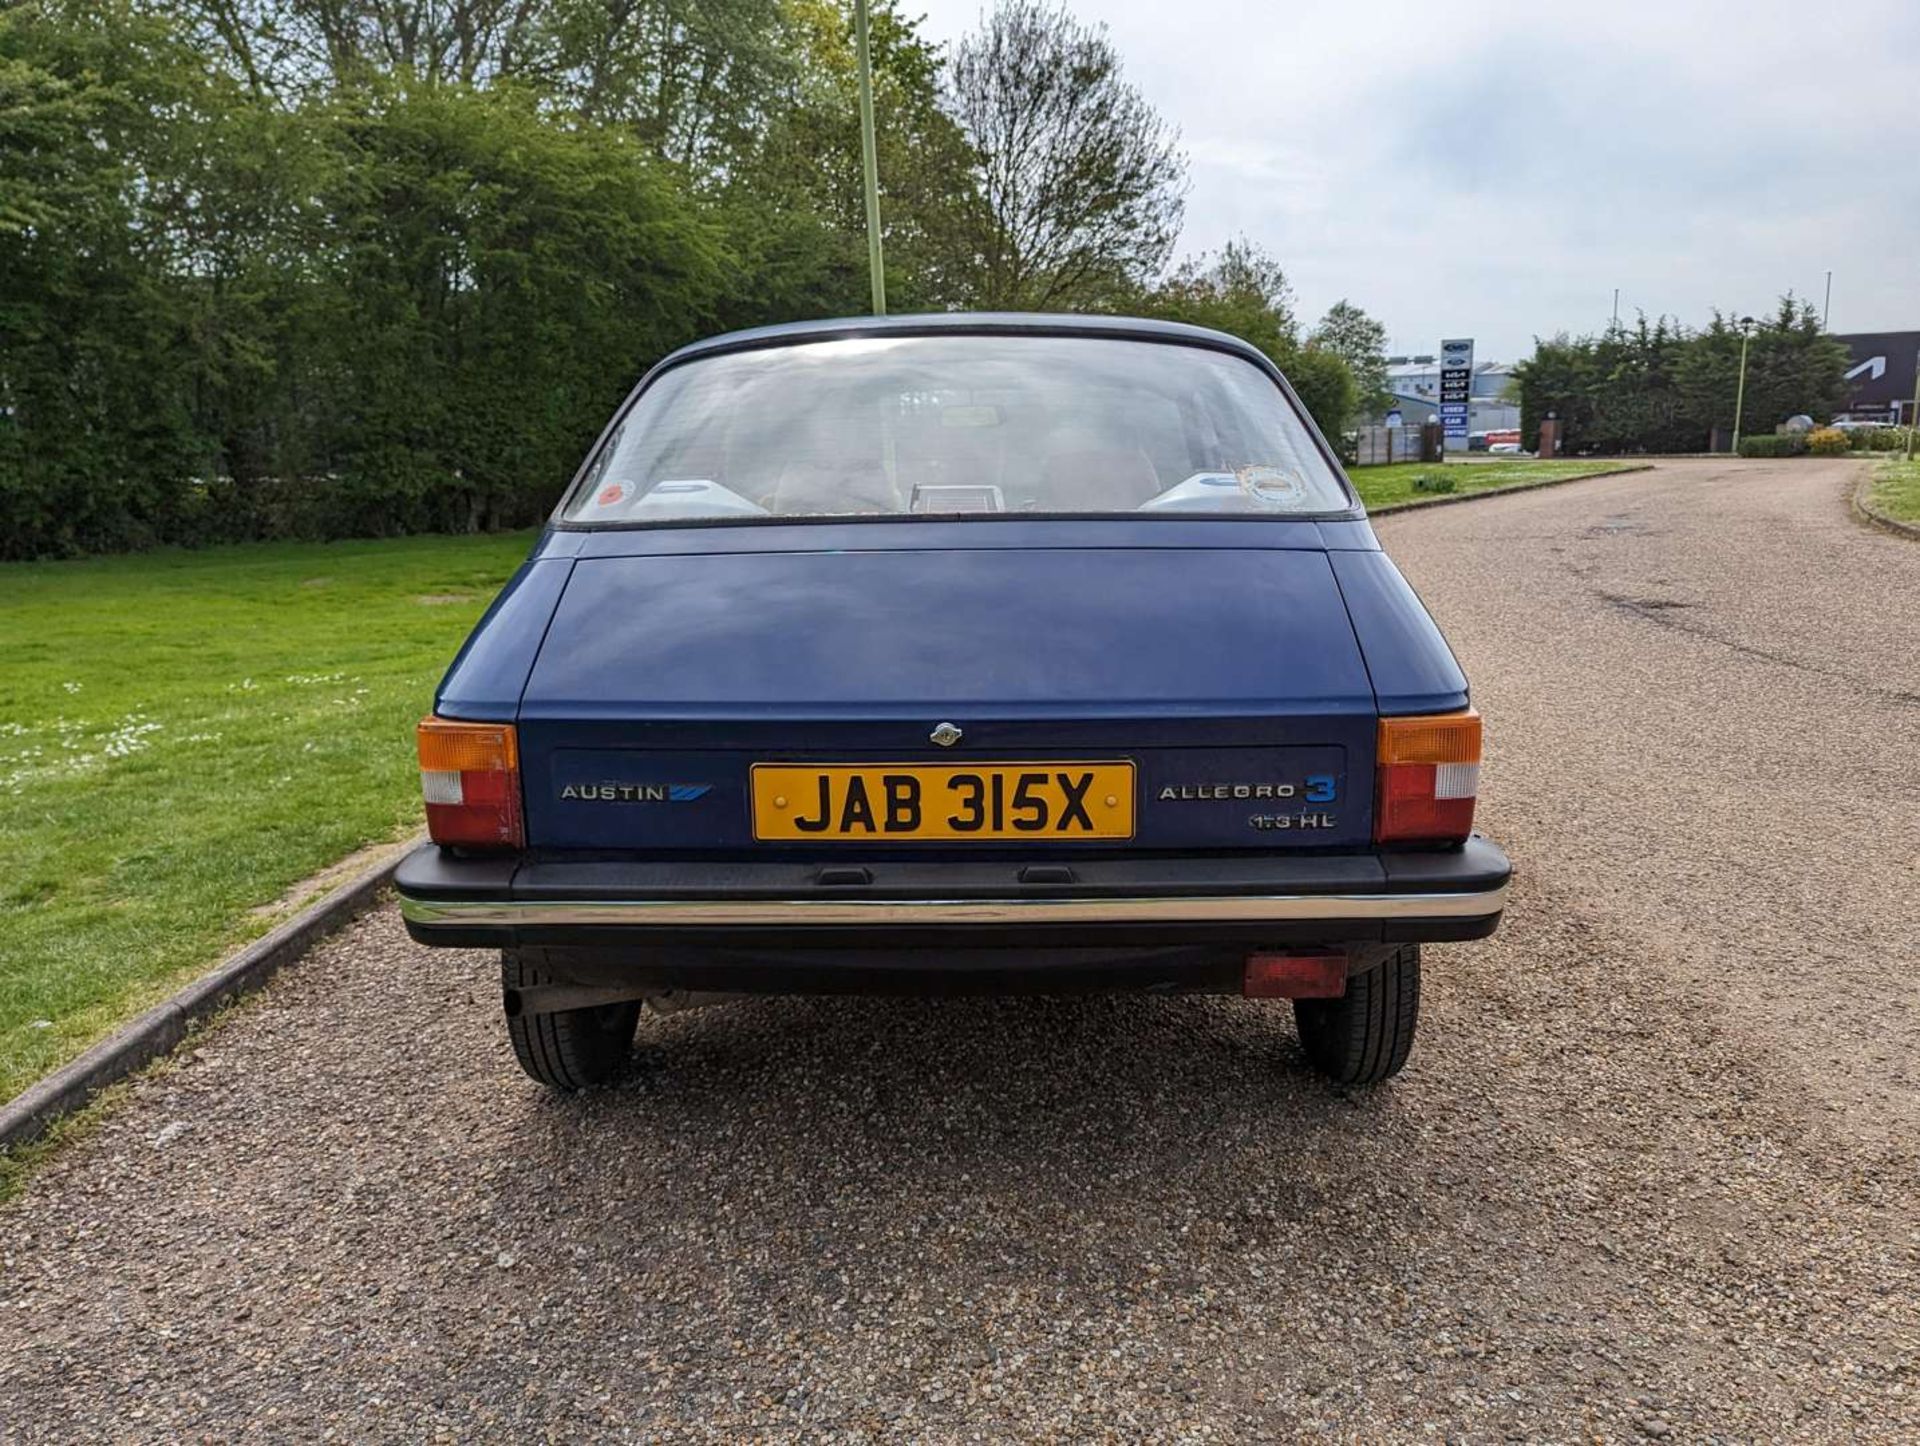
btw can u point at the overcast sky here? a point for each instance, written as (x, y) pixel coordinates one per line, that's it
(1496, 172)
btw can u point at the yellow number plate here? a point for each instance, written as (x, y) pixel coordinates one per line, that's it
(1054, 802)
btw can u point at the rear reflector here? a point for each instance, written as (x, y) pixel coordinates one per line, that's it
(1428, 777)
(1295, 976)
(470, 780)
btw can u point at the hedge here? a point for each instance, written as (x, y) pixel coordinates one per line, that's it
(1878, 439)
(1769, 444)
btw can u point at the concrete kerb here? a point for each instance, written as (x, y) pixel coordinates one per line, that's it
(1873, 516)
(153, 1034)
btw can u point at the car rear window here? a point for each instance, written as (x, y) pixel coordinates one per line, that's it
(951, 424)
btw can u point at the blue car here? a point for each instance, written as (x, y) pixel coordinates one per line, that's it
(955, 653)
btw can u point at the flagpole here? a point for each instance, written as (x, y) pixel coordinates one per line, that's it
(869, 164)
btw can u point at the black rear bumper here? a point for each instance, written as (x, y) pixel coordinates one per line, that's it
(771, 908)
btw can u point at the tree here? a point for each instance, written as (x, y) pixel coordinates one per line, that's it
(1241, 290)
(694, 80)
(1357, 339)
(1793, 367)
(698, 81)
(98, 368)
(494, 287)
(291, 48)
(333, 267)
(1612, 393)
(395, 308)
(1081, 181)
(1244, 291)
(1660, 388)
(797, 208)
(1326, 389)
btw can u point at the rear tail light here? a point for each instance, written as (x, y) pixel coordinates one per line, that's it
(470, 777)
(1429, 773)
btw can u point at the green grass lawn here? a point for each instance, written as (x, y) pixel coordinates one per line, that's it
(1896, 490)
(1379, 486)
(185, 736)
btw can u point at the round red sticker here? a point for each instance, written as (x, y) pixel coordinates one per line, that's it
(610, 494)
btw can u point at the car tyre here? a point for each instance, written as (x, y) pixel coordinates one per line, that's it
(1364, 1037)
(573, 1049)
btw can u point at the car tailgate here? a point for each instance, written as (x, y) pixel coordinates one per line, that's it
(1227, 676)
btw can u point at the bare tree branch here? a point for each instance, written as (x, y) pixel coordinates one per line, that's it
(1083, 182)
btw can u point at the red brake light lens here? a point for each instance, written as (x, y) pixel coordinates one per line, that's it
(470, 778)
(1428, 774)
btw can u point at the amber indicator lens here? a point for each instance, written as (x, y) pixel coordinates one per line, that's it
(470, 781)
(1427, 778)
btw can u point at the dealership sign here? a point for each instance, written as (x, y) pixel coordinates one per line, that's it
(1880, 373)
(1456, 386)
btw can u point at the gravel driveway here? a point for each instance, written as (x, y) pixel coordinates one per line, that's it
(1652, 1172)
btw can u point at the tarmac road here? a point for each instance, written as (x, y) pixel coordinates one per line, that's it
(1652, 1171)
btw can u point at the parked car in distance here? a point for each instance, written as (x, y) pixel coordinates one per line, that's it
(955, 653)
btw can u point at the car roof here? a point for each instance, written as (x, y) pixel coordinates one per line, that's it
(981, 323)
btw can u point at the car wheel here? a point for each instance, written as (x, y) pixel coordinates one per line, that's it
(1365, 1036)
(574, 1048)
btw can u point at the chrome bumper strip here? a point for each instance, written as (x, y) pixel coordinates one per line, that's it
(677, 913)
